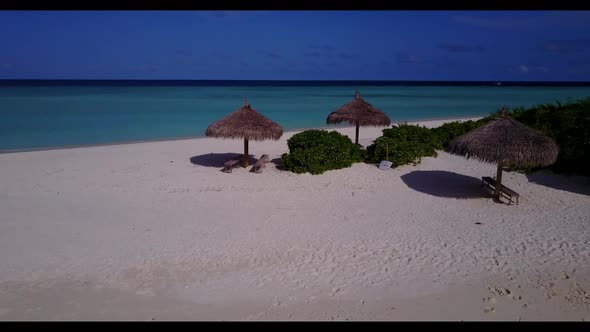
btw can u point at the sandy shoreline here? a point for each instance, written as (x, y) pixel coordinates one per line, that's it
(327, 127)
(154, 231)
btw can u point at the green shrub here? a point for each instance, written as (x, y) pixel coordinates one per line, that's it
(316, 151)
(405, 132)
(399, 152)
(448, 131)
(406, 144)
(569, 125)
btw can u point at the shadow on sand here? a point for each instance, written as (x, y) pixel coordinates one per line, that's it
(278, 162)
(445, 184)
(573, 183)
(218, 159)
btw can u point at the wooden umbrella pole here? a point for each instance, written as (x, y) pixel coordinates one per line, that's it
(246, 152)
(357, 134)
(498, 183)
(387, 151)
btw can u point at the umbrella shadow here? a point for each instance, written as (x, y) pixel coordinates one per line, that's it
(218, 159)
(578, 184)
(278, 162)
(445, 184)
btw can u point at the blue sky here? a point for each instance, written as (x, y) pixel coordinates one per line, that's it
(296, 45)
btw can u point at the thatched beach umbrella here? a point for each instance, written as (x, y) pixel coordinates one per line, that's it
(245, 123)
(506, 141)
(359, 113)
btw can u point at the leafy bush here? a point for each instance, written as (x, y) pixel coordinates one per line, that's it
(406, 144)
(316, 151)
(569, 125)
(405, 132)
(399, 152)
(448, 131)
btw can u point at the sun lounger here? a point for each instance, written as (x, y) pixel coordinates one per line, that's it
(504, 191)
(228, 165)
(257, 168)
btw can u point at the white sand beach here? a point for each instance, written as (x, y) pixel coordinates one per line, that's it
(155, 231)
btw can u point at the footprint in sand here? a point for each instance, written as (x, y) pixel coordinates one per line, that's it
(489, 300)
(212, 189)
(178, 190)
(335, 291)
(499, 291)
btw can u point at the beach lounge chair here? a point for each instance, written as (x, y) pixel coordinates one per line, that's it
(504, 191)
(228, 165)
(257, 168)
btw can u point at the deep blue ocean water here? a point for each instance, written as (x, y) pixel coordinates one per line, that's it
(41, 114)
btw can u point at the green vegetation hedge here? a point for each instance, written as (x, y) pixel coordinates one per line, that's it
(569, 125)
(406, 144)
(316, 151)
(410, 143)
(448, 131)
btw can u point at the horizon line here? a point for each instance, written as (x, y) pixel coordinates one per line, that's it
(271, 80)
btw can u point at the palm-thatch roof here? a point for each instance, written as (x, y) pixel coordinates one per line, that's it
(246, 123)
(360, 113)
(506, 141)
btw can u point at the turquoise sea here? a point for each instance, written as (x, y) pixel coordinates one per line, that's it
(56, 115)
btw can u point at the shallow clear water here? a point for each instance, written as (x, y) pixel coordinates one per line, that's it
(53, 116)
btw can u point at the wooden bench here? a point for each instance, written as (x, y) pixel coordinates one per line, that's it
(228, 165)
(506, 192)
(257, 168)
